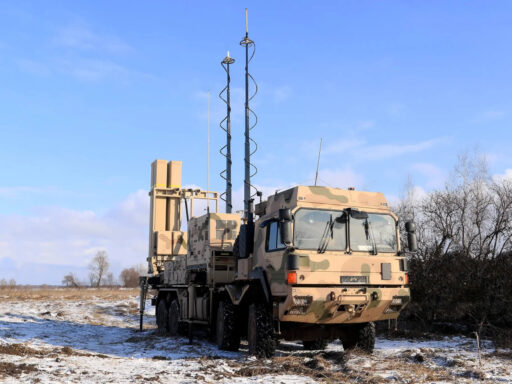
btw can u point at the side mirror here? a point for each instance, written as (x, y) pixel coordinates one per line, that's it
(285, 225)
(411, 236)
(286, 232)
(285, 214)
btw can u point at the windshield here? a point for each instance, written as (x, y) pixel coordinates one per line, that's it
(320, 230)
(374, 233)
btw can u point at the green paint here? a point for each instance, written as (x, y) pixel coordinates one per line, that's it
(258, 240)
(317, 307)
(279, 275)
(323, 191)
(304, 261)
(365, 271)
(321, 265)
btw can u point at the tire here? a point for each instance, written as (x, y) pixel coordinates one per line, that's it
(227, 335)
(314, 345)
(162, 314)
(361, 336)
(260, 331)
(173, 323)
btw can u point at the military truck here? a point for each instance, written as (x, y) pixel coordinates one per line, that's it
(316, 264)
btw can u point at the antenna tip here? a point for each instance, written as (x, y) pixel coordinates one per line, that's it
(228, 53)
(246, 23)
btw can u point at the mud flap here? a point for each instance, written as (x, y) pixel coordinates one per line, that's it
(237, 292)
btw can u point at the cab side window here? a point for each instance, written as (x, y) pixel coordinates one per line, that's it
(274, 237)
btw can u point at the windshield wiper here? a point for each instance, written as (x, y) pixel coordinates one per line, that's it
(326, 236)
(370, 235)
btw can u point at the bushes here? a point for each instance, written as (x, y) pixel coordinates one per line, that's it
(455, 287)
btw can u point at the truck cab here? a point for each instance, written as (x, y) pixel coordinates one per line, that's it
(330, 257)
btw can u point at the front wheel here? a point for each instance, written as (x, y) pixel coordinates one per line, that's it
(162, 314)
(228, 337)
(260, 331)
(174, 318)
(361, 336)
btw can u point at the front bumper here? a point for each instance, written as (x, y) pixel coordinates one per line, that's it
(337, 305)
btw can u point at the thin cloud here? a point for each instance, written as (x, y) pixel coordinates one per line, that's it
(489, 115)
(359, 149)
(81, 37)
(343, 145)
(282, 93)
(340, 178)
(433, 176)
(98, 69)
(67, 237)
(507, 175)
(17, 191)
(394, 150)
(33, 67)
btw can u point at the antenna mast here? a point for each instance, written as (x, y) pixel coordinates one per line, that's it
(318, 161)
(208, 156)
(250, 169)
(226, 149)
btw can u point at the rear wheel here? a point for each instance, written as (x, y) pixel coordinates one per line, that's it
(227, 335)
(361, 336)
(174, 318)
(162, 314)
(314, 345)
(260, 331)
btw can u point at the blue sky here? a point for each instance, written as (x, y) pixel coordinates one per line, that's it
(93, 92)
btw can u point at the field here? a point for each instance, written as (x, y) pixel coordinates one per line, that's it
(90, 336)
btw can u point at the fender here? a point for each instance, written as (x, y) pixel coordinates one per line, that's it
(258, 274)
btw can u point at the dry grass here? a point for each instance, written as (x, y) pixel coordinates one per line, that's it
(15, 370)
(17, 349)
(37, 294)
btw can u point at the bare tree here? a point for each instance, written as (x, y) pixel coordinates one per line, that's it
(98, 268)
(130, 277)
(110, 281)
(461, 271)
(70, 280)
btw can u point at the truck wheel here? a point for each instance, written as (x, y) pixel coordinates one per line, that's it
(314, 345)
(174, 318)
(260, 331)
(162, 313)
(361, 336)
(228, 337)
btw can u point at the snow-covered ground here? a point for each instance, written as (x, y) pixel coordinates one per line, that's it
(95, 338)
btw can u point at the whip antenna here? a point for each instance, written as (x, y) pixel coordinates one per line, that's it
(250, 169)
(318, 161)
(226, 149)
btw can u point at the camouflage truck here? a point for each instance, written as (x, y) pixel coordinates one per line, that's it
(317, 264)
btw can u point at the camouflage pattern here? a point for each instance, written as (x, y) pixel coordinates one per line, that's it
(213, 231)
(369, 299)
(210, 248)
